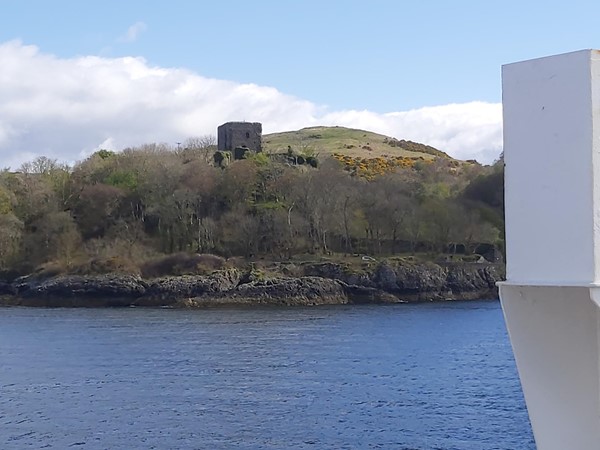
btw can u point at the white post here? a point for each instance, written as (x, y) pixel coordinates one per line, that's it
(551, 299)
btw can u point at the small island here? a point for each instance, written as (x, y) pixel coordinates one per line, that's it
(322, 215)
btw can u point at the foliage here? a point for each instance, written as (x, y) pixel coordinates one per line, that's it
(122, 179)
(260, 159)
(182, 264)
(157, 210)
(415, 147)
(221, 158)
(105, 154)
(369, 168)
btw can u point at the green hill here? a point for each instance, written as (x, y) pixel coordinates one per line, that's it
(346, 141)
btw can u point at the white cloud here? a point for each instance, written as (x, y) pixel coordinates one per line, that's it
(68, 108)
(133, 32)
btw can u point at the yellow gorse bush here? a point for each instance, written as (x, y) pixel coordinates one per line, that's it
(369, 168)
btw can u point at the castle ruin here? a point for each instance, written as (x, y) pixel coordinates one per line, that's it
(239, 137)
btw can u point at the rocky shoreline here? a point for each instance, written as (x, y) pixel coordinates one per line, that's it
(323, 283)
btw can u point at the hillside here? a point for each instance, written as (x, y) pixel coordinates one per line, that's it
(152, 210)
(347, 141)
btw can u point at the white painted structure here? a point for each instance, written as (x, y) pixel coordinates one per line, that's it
(551, 299)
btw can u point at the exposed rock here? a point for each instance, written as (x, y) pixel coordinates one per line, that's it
(7, 288)
(186, 286)
(362, 294)
(419, 278)
(386, 278)
(419, 281)
(337, 271)
(471, 277)
(294, 291)
(108, 285)
(391, 281)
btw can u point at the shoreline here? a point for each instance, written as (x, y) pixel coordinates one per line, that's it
(323, 283)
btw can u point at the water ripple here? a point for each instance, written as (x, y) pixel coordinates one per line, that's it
(418, 377)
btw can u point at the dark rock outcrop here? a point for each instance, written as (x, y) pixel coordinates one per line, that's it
(7, 288)
(410, 278)
(186, 286)
(419, 281)
(467, 281)
(340, 272)
(391, 281)
(278, 291)
(364, 295)
(77, 290)
(109, 285)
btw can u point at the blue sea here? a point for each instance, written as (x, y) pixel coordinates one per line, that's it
(410, 376)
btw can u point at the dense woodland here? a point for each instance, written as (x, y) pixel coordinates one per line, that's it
(115, 211)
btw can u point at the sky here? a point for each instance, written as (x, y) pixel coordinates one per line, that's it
(77, 76)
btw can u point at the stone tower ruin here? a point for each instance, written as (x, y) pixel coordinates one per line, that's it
(243, 135)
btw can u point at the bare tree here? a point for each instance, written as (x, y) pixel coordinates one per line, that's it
(202, 146)
(11, 233)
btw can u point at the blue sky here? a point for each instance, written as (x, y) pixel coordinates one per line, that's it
(426, 70)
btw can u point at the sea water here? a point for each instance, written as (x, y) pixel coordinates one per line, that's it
(410, 376)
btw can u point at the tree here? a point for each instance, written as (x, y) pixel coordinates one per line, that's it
(473, 230)
(96, 209)
(55, 174)
(7, 200)
(199, 148)
(487, 189)
(242, 230)
(416, 224)
(386, 203)
(52, 237)
(321, 196)
(238, 184)
(11, 233)
(443, 218)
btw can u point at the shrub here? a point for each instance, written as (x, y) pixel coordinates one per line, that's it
(182, 264)
(51, 269)
(112, 264)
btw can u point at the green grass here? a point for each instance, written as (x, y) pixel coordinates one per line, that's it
(348, 141)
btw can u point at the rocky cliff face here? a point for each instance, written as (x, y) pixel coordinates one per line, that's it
(420, 281)
(320, 283)
(279, 291)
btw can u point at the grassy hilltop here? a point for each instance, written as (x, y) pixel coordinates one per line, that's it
(347, 141)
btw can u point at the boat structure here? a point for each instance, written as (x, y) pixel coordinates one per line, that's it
(551, 296)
